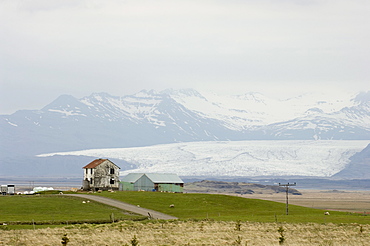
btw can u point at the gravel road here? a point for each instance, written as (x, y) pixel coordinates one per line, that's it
(126, 206)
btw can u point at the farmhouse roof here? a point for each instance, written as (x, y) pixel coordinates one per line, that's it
(163, 178)
(97, 162)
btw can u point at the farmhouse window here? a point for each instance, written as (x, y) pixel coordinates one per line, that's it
(111, 181)
(91, 170)
(91, 181)
(112, 171)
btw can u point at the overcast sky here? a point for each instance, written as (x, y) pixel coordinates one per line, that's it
(281, 47)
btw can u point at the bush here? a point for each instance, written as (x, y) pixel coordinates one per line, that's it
(134, 241)
(65, 239)
(282, 237)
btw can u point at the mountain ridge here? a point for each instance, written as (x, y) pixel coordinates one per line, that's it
(171, 116)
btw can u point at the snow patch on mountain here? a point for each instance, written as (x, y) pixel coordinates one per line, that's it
(254, 109)
(65, 112)
(235, 158)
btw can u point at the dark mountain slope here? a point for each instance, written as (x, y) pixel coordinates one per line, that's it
(358, 168)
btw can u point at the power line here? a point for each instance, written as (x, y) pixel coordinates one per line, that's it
(287, 191)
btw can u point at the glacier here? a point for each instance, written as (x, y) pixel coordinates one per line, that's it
(150, 118)
(322, 158)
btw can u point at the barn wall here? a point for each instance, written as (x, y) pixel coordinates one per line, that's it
(170, 188)
(126, 186)
(144, 183)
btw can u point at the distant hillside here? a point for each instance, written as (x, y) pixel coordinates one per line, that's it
(359, 166)
(207, 186)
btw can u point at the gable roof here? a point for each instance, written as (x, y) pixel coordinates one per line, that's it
(97, 162)
(132, 177)
(163, 178)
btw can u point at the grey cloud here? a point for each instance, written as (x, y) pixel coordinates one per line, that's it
(85, 46)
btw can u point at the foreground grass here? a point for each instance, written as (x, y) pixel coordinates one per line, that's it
(55, 210)
(205, 220)
(231, 208)
(193, 233)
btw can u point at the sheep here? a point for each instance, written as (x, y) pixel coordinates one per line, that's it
(172, 205)
(326, 213)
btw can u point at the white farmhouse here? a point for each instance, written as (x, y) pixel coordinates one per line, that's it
(101, 174)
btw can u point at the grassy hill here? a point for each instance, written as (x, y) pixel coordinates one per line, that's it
(209, 186)
(231, 221)
(55, 209)
(231, 208)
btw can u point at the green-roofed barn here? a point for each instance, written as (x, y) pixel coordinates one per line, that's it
(163, 182)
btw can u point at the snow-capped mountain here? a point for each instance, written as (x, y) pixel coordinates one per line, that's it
(148, 118)
(309, 116)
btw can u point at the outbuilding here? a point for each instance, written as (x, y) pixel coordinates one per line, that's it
(7, 189)
(101, 174)
(164, 182)
(4, 189)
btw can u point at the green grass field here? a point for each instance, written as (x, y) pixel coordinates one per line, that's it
(231, 208)
(55, 209)
(257, 220)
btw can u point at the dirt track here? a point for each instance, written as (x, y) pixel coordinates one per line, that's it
(126, 206)
(350, 201)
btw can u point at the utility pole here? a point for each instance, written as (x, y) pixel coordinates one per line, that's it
(286, 190)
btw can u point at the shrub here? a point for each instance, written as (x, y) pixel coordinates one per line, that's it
(238, 241)
(134, 241)
(65, 239)
(238, 225)
(282, 237)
